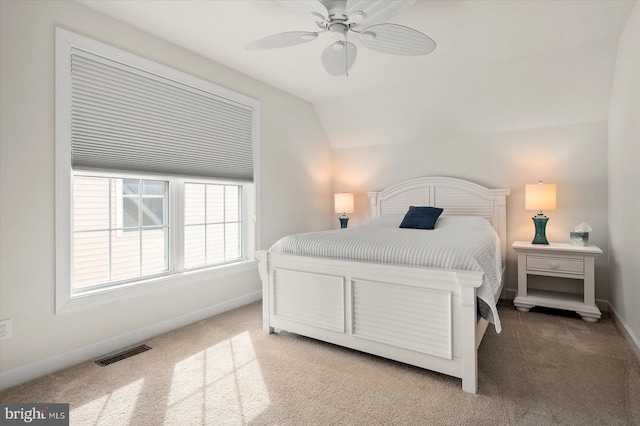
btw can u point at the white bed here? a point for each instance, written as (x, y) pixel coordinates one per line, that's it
(359, 304)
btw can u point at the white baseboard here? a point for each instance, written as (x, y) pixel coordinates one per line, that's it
(510, 293)
(43, 367)
(626, 331)
(602, 304)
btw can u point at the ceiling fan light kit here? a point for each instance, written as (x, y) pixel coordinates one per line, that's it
(340, 17)
(336, 59)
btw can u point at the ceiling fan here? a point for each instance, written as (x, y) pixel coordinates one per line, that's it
(339, 18)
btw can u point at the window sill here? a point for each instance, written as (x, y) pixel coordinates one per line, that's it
(126, 291)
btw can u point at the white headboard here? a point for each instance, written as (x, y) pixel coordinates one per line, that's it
(455, 196)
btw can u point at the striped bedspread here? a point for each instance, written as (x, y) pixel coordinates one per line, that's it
(458, 242)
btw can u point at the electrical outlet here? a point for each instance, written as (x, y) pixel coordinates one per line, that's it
(5, 329)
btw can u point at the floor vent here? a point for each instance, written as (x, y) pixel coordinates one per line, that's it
(103, 362)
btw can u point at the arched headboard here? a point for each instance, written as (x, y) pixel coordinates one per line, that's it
(455, 196)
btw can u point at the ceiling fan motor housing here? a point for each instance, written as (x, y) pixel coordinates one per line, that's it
(337, 14)
(337, 9)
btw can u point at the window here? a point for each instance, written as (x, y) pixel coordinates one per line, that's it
(155, 175)
(212, 224)
(120, 230)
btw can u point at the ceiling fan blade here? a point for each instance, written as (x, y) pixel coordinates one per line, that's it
(312, 8)
(371, 12)
(291, 38)
(397, 40)
(336, 61)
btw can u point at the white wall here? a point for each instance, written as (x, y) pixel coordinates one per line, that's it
(572, 156)
(544, 90)
(295, 178)
(503, 124)
(624, 177)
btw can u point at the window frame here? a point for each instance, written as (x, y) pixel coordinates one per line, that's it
(242, 221)
(176, 274)
(172, 212)
(65, 299)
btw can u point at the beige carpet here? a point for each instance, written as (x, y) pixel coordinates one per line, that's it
(543, 369)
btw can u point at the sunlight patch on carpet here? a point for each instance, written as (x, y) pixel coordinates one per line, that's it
(223, 381)
(113, 408)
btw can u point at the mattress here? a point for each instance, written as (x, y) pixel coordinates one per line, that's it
(457, 242)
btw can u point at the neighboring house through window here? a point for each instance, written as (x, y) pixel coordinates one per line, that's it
(212, 224)
(121, 229)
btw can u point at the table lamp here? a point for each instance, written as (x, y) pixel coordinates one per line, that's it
(343, 203)
(540, 196)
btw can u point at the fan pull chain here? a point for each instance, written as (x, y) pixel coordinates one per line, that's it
(346, 54)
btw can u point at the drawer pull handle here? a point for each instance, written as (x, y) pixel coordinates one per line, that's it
(554, 265)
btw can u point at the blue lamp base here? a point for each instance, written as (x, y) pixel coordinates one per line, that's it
(343, 221)
(540, 222)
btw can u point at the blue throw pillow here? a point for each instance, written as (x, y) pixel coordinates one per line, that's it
(421, 217)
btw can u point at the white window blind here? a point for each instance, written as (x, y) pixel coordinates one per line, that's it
(125, 118)
(130, 134)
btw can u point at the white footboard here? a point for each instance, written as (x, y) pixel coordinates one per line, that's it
(420, 316)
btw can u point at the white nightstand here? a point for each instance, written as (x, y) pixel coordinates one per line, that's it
(557, 260)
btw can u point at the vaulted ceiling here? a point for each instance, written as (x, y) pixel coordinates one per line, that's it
(498, 65)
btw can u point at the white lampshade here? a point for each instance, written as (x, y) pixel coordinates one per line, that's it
(343, 203)
(540, 196)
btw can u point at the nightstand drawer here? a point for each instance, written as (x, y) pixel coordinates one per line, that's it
(555, 264)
